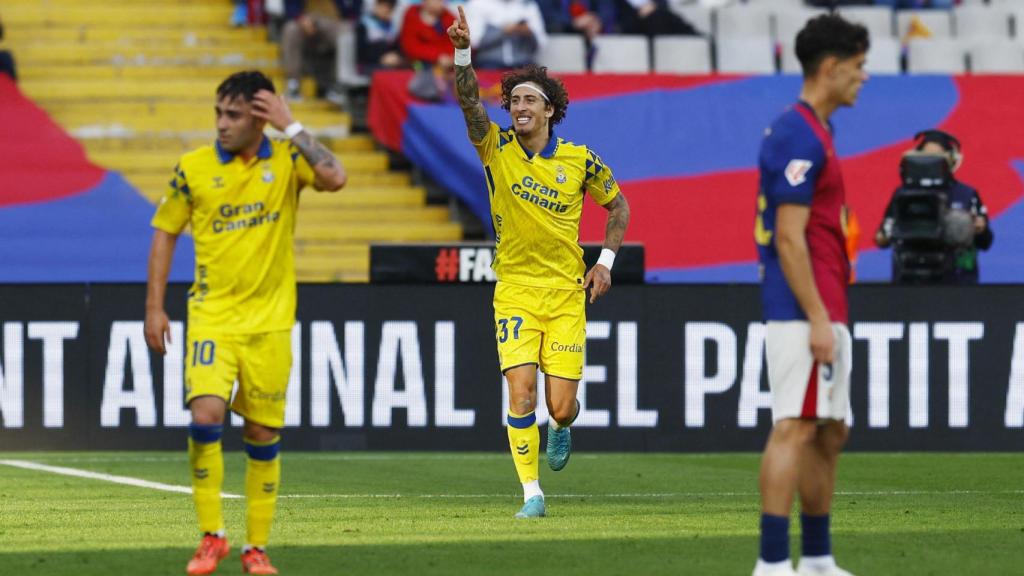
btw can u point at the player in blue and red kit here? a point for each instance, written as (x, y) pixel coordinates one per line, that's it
(805, 271)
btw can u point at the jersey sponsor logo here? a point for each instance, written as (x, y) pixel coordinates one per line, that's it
(257, 393)
(796, 171)
(529, 190)
(609, 183)
(557, 346)
(252, 215)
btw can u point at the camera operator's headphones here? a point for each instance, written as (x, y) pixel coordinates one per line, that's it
(944, 139)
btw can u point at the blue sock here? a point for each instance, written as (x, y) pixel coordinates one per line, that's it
(815, 538)
(774, 538)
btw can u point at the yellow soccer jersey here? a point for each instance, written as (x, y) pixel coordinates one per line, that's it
(536, 204)
(243, 223)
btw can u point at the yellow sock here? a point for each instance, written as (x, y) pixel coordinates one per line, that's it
(524, 440)
(207, 465)
(262, 479)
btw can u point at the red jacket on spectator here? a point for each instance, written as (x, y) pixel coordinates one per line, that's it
(420, 41)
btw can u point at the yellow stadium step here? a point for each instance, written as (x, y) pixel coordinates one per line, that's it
(339, 251)
(136, 162)
(60, 72)
(309, 111)
(106, 34)
(360, 262)
(252, 54)
(315, 218)
(130, 16)
(121, 89)
(321, 277)
(84, 126)
(387, 232)
(175, 145)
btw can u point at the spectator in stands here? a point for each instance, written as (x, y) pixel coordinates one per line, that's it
(586, 17)
(424, 36)
(652, 18)
(505, 33)
(377, 46)
(7, 60)
(309, 38)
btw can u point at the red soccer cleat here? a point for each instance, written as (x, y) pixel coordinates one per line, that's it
(255, 561)
(211, 550)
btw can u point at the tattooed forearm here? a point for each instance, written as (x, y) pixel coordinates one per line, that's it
(330, 174)
(313, 150)
(467, 88)
(618, 221)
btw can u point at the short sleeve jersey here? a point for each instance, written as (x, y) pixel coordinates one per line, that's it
(798, 165)
(536, 204)
(242, 216)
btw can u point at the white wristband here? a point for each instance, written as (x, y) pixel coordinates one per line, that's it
(462, 56)
(293, 130)
(607, 258)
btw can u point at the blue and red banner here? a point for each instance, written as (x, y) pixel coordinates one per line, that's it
(684, 150)
(63, 219)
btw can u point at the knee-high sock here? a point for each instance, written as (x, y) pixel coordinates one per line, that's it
(262, 479)
(207, 465)
(524, 440)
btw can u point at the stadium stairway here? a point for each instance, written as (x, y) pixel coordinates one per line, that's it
(133, 81)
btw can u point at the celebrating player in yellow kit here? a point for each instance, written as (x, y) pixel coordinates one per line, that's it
(240, 197)
(536, 183)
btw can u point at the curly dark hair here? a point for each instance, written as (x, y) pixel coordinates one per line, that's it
(557, 95)
(245, 84)
(829, 35)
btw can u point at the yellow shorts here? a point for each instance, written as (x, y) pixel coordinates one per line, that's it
(261, 363)
(541, 326)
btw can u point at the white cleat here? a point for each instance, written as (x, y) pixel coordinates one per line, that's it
(763, 568)
(826, 568)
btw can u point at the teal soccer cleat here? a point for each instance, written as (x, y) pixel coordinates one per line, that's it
(559, 448)
(533, 508)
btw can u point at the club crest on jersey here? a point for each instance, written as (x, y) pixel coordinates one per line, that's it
(560, 175)
(268, 176)
(796, 171)
(218, 181)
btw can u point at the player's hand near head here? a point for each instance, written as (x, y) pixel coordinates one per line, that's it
(823, 341)
(599, 280)
(157, 330)
(272, 107)
(458, 32)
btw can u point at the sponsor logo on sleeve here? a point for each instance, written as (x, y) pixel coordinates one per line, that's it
(796, 171)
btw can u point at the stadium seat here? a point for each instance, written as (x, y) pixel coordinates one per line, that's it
(682, 55)
(936, 56)
(997, 57)
(565, 53)
(884, 56)
(789, 21)
(755, 55)
(739, 21)
(698, 15)
(980, 21)
(877, 19)
(938, 22)
(628, 54)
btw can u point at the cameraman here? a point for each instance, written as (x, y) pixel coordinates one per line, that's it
(959, 197)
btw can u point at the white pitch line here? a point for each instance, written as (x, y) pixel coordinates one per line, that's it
(126, 480)
(649, 494)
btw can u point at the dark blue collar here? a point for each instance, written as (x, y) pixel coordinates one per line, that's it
(263, 153)
(548, 152)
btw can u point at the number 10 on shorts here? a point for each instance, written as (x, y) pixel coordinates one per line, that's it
(202, 352)
(516, 322)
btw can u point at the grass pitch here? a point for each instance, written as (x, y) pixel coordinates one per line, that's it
(451, 514)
